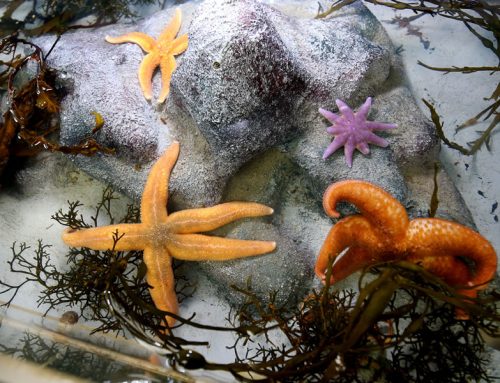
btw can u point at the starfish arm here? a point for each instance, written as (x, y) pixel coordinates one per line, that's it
(334, 145)
(355, 233)
(363, 148)
(452, 270)
(373, 125)
(348, 152)
(155, 195)
(345, 110)
(336, 129)
(179, 45)
(147, 43)
(330, 116)
(172, 28)
(363, 111)
(160, 278)
(376, 140)
(198, 220)
(167, 66)
(198, 247)
(132, 237)
(432, 236)
(382, 210)
(145, 73)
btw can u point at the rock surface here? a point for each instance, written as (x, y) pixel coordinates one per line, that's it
(243, 104)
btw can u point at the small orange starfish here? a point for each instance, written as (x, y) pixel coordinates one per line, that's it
(162, 236)
(160, 52)
(383, 232)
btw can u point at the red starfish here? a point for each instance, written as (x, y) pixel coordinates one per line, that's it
(383, 232)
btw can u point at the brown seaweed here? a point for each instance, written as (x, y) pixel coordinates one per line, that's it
(434, 203)
(32, 116)
(33, 107)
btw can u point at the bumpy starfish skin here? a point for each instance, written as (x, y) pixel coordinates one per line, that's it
(162, 236)
(383, 232)
(353, 131)
(160, 52)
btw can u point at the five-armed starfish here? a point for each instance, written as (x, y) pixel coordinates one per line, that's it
(383, 232)
(163, 236)
(160, 52)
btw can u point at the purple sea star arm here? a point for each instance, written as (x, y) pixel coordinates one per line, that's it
(376, 140)
(362, 113)
(372, 125)
(345, 110)
(363, 148)
(335, 130)
(335, 144)
(348, 151)
(332, 117)
(352, 130)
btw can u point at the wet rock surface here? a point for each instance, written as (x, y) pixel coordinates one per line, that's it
(244, 105)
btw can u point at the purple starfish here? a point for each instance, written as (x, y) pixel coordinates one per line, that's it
(352, 130)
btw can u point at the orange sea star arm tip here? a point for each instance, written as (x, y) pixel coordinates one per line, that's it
(67, 234)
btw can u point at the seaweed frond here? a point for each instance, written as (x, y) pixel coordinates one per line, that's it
(33, 107)
(434, 202)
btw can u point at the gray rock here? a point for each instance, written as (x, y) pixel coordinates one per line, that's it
(244, 105)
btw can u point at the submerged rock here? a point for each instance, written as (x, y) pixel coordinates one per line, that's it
(244, 105)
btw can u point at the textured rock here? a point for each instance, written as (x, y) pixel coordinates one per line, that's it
(246, 91)
(244, 105)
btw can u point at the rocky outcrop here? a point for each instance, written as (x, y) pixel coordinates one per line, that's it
(244, 105)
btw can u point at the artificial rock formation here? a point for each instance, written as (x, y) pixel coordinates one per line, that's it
(243, 104)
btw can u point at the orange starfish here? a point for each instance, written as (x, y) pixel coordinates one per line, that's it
(162, 236)
(383, 232)
(160, 52)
